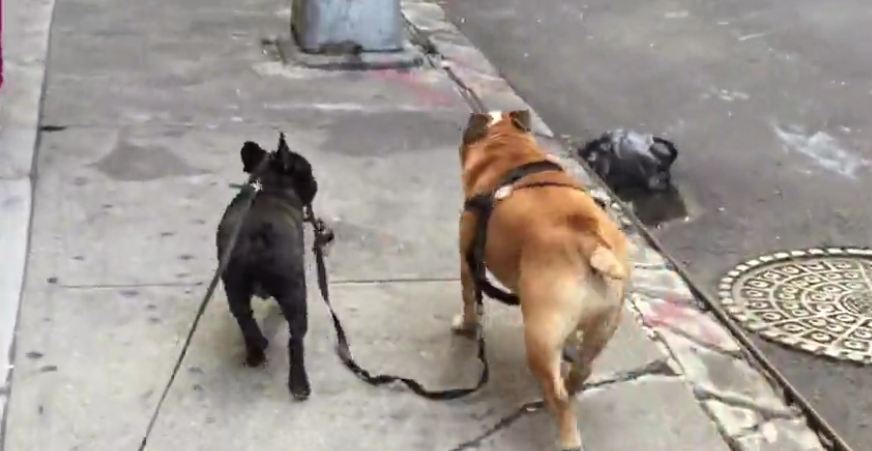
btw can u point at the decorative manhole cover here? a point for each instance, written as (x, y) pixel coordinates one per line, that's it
(819, 300)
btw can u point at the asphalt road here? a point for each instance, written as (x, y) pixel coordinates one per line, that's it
(769, 101)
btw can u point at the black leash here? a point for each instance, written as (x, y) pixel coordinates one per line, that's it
(249, 191)
(483, 205)
(322, 237)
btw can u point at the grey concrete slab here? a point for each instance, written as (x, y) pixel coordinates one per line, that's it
(651, 414)
(394, 194)
(222, 20)
(91, 364)
(629, 349)
(19, 116)
(14, 223)
(262, 93)
(393, 327)
(25, 44)
(25, 30)
(780, 435)
(721, 376)
(168, 77)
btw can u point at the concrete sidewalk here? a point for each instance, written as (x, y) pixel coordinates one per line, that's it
(149, 103)
(25, 41)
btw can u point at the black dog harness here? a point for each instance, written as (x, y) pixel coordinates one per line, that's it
(483, 205)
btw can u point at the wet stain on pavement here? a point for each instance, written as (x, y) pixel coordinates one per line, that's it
(657, 209)
(135, 163)
(52, 128)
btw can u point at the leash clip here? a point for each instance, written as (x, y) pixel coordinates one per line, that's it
(323, 235)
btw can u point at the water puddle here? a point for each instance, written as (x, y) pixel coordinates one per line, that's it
(657, 209)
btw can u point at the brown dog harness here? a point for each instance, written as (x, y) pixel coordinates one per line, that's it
(483, 205)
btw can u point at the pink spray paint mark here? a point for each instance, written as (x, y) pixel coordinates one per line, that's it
(680, 316)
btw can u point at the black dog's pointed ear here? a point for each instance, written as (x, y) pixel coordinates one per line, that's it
(252, 155)
(476, 127)
(521, 120)
(283, 145)
(304, 179)
(284, 152)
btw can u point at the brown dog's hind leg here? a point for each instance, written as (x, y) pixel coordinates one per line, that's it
(592, 336)
(466, 323)
(544, 338)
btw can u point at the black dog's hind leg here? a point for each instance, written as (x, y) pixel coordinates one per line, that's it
(239, 298)
(293, 305)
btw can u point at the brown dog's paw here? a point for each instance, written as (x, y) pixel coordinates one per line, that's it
(462, 327)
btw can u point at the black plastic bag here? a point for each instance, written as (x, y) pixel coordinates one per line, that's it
(629, 159)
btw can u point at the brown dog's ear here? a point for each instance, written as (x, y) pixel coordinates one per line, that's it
(476, 128)
(252, 155)
(521, 119)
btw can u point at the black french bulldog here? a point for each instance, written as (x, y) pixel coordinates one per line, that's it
(267, 259)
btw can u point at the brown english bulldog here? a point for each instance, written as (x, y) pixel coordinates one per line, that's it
(554, 247)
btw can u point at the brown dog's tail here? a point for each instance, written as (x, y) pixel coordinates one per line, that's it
(601, 258)
(604, 261)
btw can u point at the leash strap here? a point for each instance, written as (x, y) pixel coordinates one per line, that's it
(483, 205)
(249, 191)
(343, 349)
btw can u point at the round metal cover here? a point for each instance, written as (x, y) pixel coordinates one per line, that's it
(817, 300)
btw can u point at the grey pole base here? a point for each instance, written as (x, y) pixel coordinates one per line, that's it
(372, 25)
(408, 57)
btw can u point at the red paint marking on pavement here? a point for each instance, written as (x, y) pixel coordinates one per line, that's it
(678, 316)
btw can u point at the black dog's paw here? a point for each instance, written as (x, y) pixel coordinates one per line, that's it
(255, 357)
(300, 388)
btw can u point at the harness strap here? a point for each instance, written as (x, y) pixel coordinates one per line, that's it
(483, 205)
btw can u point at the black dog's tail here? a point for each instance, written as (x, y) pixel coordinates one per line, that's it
(255, 250)
(260, 240)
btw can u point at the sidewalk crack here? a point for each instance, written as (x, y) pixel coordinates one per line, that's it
(766, 413)
(696, 341)
(656, 368)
